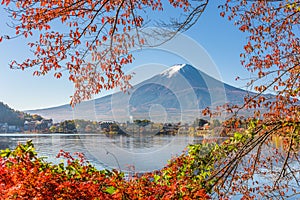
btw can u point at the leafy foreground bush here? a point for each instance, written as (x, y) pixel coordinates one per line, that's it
(23, 175)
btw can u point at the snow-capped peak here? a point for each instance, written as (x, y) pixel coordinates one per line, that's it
(172, 70)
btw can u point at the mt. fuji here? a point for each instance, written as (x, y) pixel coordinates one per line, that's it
(177, 94)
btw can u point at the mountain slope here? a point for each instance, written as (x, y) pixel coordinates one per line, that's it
(10, 116)
(177, 94)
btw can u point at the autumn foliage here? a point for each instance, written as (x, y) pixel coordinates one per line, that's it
(23, 175)
(91, 40)
(271, 55)
(93, 46)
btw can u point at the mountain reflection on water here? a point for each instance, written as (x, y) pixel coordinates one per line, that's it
(121, 152)
(144, 153)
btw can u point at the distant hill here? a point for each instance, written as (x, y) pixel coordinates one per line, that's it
(177, 94)
(14, 117)
(10, 116)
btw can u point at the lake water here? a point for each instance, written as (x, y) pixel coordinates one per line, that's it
(120, 152)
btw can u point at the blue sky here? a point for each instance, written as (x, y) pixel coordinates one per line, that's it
(219, 38)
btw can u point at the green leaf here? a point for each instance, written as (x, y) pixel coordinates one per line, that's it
(5, 153)
(110, 190)
(238, 136)
(156, 178)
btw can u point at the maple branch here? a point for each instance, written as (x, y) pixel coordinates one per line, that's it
(261, 92)
(246, 149)
(293, 174)
(99, 31)
(116, 18)
(285, 161)
(257, 156)
(135, 23)
(114, 156)
(190, 20)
